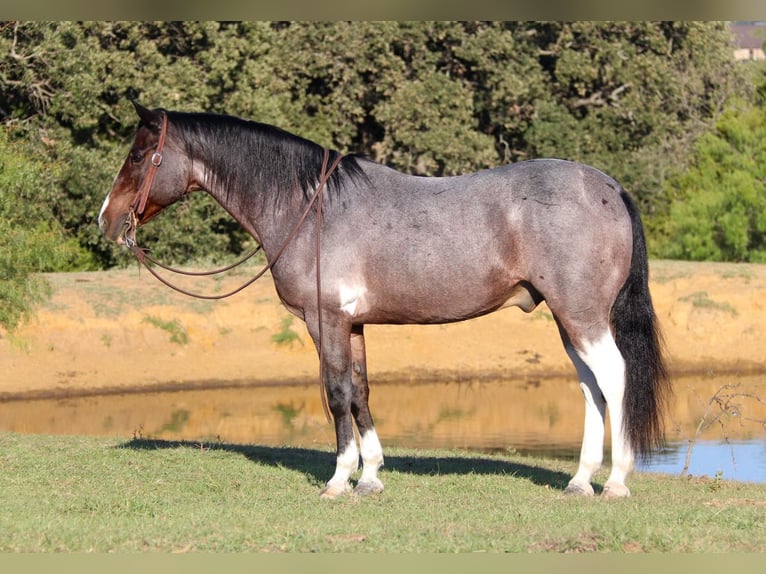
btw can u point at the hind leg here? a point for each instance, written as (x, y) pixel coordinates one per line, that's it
(372, 452)
(601, 370)
(592, 450)
(608, 366)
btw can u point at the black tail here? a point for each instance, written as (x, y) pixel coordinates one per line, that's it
(647, 386)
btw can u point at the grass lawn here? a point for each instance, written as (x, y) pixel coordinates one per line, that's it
(84, 494)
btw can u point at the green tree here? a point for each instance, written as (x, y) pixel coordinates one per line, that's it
(32, 240)
(432, 98)
(631, 97)
(718, 209)
(83, 122)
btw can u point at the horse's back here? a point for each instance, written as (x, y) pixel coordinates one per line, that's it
(547, 182)
(546, 205)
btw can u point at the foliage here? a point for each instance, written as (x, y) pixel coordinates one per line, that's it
(629, 98)
(425, 97)
(718, 209)
(286, 335)
(32, 240)
(174, 328)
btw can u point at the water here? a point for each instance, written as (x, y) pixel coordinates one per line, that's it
(735, 460)
(534, 417)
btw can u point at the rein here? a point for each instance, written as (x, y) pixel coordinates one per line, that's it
(139, 204)
(144, 258)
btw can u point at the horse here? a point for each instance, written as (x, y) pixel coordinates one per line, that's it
(404, 249)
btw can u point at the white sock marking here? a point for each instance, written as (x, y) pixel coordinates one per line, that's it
(346, 464)
(604, 359)
(372, 456)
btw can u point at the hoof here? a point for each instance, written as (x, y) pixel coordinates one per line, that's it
(368, 488)
(574, 489)
(615, 490)
(332, 491)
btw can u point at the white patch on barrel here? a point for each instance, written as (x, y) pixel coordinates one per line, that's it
(350, 296)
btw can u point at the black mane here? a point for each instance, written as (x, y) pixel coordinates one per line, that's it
(262, 160)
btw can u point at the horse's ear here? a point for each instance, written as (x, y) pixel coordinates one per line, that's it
(150, 118)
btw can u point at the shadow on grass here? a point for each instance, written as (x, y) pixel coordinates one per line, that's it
(318, 464)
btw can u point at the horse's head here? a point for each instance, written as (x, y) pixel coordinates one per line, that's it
(155, 174)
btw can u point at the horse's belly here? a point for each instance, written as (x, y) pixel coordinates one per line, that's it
(437, 303)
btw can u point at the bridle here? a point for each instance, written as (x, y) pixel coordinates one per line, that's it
(139, 204)
(144, 258)
(137, 209)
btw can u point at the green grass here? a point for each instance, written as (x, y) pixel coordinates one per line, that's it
(701, 300)
(286, 335)
(174, 328)
(77, 494)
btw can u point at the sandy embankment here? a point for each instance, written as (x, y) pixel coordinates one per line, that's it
(103, 332)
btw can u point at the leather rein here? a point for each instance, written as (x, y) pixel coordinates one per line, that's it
(139, 204)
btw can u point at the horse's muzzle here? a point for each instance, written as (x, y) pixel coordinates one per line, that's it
(121, 230)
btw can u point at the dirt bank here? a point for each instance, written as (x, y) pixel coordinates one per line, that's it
(116, 330)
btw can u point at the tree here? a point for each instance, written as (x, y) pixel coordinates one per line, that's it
(718, 209)
(83, 121)
(631, 97)
(33, 241)
(430, 98)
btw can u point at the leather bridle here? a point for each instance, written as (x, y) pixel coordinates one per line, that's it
(144, 258)
(139, 203)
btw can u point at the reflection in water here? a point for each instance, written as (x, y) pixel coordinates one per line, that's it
(542, 416)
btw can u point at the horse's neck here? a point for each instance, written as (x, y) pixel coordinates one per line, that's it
(249, 204)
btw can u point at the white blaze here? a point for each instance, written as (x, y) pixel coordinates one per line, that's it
(103, 209)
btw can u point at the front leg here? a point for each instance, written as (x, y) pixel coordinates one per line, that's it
(372, 452)
(347, 462)
(336, 375)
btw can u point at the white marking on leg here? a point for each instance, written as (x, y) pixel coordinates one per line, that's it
(593, 434)
(372, 459)
(346, 464)
(607, 364)
(592, 450)
(350, 297)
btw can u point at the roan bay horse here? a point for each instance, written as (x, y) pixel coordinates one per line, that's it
(401, 249)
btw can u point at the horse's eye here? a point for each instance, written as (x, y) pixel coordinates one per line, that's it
(136, 157)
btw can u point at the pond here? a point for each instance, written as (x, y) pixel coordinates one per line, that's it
(723, 417)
